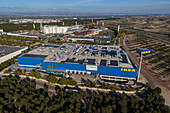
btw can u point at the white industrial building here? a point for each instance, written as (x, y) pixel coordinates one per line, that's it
(8, 52)
(2, 32)
(54, 29)
(25, 35)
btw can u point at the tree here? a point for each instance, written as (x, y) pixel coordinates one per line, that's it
(147, 85)
(134, 105)
(122, 103)
(6, 71)
(157, 90)
(21, 95)
(35, 74)
(104, 85)
(17, 72)
(87, 83)
(93, 84)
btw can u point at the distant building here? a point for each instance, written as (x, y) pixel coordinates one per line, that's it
(91, 32)
(27, 35)
(48, 29)
(52, 29)
(17, 21)
(85, 32)
(77, 27)
(8, 52)
(100, 39)
(2, 32)
(24, 35)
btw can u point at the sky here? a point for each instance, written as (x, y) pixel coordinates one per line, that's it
(86, 6)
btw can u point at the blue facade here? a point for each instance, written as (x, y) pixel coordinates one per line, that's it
(27, 62)
(102, 70)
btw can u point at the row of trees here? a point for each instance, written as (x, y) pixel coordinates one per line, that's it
(7, 63)
(20, 38)
(8, 27)
(34, 74)
(87, 83)
(14, 43)
(63, 81)
(20, 96)
(69, 81)
(108, 86)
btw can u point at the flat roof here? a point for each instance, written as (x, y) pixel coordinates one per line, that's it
(5, 49)
(34, 56)
(85, 31)
(109, 38)
(100, 55)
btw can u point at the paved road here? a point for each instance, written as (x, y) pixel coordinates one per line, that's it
(161, 37)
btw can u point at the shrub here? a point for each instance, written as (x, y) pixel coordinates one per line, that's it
(147, 85)
(34, 74)
(6, 71)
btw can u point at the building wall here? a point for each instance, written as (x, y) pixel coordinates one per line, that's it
(9, 56)
(26, 62)
(54, 29)
(102, 70)
(84, 33)
(81, 39)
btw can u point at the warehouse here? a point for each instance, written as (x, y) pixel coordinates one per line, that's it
(85, 32)
(110, 62)
(100, 39)
(8, 52)
(24, 35)
(49, 29)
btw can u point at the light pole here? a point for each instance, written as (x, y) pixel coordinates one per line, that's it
(141, 57)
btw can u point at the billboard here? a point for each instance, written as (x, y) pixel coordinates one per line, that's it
(144, 51)
(91, 67)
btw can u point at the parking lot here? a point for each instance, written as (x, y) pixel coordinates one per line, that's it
(80, 78)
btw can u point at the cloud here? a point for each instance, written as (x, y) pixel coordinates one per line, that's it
(9, 7)
(52, 9)
(87, 1)
(34, 10)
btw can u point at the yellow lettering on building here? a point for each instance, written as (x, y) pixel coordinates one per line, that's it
(125, 69)
(133, 70)
(147, 51)
(143, 52)
(129, 70)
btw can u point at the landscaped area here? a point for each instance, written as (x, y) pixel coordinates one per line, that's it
(158, 62)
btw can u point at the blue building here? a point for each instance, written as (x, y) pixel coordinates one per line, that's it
(110, 62)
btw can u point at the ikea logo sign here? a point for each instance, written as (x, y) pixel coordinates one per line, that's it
(128, 70)
(145, 52)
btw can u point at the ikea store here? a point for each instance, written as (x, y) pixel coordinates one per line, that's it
(107, 61)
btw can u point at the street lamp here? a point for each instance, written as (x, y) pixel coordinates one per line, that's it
(142, 52)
